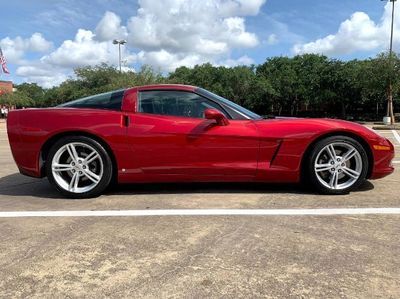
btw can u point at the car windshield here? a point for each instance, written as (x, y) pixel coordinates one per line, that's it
(249, 114)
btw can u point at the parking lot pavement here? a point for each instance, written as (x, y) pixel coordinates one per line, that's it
(198, 256)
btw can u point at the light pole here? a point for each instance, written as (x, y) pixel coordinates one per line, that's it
(390, 113)
(119, 42)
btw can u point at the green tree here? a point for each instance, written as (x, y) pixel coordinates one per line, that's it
(239, 84)
(374, 80)
(92, 80)
(281, 73)
(312, 84)
(34, 91)
(17, 98)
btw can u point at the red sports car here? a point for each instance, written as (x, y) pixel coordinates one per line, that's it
(179, 133)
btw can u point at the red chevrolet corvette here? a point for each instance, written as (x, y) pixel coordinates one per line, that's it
(178, 133)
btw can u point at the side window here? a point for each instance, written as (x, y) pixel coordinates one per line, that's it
(175, 103)
(109, 100)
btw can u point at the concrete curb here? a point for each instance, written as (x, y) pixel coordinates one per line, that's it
(395, 127)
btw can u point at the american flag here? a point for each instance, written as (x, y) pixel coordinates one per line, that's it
(3, 63)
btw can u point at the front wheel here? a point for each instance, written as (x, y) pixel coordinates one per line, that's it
(337, 165)
(79, 167)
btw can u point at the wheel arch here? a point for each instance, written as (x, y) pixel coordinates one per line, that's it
(44, 151)
(358, 138)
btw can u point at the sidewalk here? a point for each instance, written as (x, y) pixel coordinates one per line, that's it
(381, 126)
(386, 127)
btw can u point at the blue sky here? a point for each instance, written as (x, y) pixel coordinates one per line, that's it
(43, 40)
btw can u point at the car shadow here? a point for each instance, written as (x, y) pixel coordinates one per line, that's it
(19, 185)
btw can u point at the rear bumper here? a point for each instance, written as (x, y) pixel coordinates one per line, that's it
(25, 144)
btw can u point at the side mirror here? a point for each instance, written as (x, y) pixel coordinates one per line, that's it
(217, 115)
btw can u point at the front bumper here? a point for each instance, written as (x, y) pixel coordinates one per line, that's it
(383, 153)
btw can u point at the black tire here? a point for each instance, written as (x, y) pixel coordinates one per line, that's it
(107, 173)
(311, 175)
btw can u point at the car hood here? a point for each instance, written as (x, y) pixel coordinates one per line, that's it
(309, 127)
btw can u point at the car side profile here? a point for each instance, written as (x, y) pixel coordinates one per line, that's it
(180, 133)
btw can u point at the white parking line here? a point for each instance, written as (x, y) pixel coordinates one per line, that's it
(396, 135)
(203, 212)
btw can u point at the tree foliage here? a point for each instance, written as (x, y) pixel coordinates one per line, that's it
(309, 84)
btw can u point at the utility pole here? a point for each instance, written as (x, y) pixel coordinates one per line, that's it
(390, 88)
(119, 42)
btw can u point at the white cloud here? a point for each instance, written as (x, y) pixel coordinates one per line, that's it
(166, 61)
(243, 60)
(272, 39)
(85, 50)
(110, 27)
(42, 74)
(38, 43)
(359, 33)
(167, 34)
(175, 32)
(241, 7)
(235, 33)
(15, 49)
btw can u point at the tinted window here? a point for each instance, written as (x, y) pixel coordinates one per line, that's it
(239, 111)
(109, 100)
(176, 103)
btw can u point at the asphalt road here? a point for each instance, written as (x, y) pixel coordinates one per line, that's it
(353, 256)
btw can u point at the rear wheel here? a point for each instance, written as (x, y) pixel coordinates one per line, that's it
(337, 165)
(79, 167)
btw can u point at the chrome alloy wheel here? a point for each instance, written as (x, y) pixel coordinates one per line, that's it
(77, 167)
(338, 165)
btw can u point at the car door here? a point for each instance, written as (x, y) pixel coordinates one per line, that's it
(169, 136)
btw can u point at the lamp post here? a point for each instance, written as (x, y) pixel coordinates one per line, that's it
(119, 42)
(390, 114)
